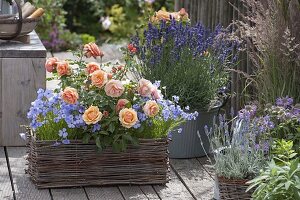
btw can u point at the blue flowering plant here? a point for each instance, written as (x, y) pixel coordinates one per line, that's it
(95, 102)
(279, 121)
(190, 60)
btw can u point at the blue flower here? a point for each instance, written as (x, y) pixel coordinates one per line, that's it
(137, 125)
(65, 141)
(63, 133)
(96, 128)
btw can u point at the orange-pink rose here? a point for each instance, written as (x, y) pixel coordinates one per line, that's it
(91, 67)
(99, 78)
(92, 115)
(70, 95)
(128, 117)
(121, 104)
(155, 93)
(164, 15)
(63, 68)
(114, 88)
(151, 108)
(50, 64)
(145, 88)
(91, 49)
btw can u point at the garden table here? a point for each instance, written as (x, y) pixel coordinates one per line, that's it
(22, 72)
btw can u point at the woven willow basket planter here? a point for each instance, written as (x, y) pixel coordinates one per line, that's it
(79, 164)
(230, 189)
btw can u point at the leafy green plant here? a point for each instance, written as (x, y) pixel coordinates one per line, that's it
(277, 182)
(283, 151)
(54, 15)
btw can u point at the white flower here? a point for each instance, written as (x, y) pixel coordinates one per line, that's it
(106, 23)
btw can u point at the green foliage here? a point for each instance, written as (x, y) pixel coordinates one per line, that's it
(84, 16)
(121, 26)
(50, 130)
(86, 38)
(287, 126)
(283, 151)
(278, 182)
(54, 15)
(72, 41)
(191, 78)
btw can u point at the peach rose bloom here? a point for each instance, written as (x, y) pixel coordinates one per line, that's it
(151, 108)
(121, 104)
(155, 93)
(63, 68)
(91, 49)
(128, 117)
(92, 115)
(91, 67)
(164, 15)
(114, 88)
(50, 64)
(70, 95)
(99, 78)
(145, 88)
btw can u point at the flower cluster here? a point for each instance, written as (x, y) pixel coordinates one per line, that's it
(194, 57)
(279, 121)
(95, 103)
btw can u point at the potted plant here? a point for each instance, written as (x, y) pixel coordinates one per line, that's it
(191, 61)
(281, 178)
(98, 110)
(242, 150)
(239, 153)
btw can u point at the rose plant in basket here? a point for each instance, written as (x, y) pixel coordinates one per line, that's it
(96, 105)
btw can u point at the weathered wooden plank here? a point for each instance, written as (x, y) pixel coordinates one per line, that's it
(149, 191)
(24, 188)
(195, 177)
(173, 190)
(6, 191)
(21, 78)
(12, 49)
(103, 193)
(132, 192)
(0, 103)
(69, 194)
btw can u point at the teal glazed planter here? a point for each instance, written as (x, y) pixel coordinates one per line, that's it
(187, 143)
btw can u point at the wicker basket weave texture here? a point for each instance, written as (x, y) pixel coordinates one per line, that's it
(78, 164)
(230, 189)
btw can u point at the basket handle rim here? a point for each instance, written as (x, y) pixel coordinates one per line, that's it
(19, 23)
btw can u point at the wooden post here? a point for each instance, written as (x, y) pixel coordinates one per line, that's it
(22, 72)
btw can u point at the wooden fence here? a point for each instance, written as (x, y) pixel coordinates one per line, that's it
(214, 12)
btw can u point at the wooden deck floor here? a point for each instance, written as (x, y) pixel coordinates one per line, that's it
(190, 179)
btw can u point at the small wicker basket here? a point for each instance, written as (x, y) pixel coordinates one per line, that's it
(232, 189)
(11, 28)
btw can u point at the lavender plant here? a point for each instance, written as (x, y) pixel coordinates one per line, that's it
(188, 59)
(237, 152)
